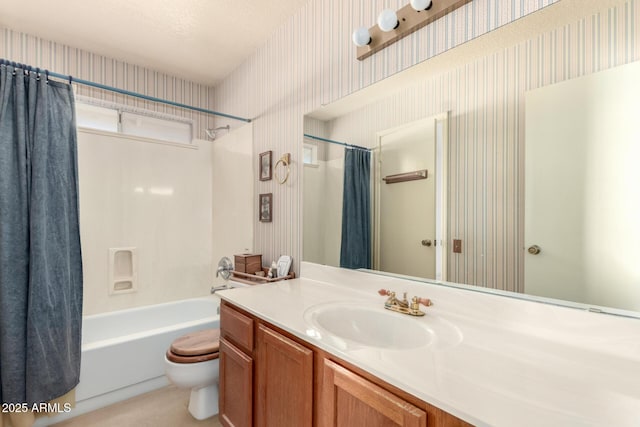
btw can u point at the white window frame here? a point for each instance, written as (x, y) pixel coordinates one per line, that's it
(313, 146)
(113, 111)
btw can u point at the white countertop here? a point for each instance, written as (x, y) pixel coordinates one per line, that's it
(504, 362)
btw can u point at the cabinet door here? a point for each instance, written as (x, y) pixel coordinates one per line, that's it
(284, 381)
(349, 400)
(236, 386)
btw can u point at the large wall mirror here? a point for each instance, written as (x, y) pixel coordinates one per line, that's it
(522, 145)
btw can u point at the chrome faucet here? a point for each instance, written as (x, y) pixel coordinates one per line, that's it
(403, 306)
(214, 289)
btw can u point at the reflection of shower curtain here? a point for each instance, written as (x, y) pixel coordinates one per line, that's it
(40, 258)
(355, 251)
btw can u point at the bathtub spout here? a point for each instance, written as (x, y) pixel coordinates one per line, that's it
(214, 289)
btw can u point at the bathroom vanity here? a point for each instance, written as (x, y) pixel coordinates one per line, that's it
(275, 379)
(290, 356)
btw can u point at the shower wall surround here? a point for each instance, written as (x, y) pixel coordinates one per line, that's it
(153, 197)
(38, 52)
(310, 62)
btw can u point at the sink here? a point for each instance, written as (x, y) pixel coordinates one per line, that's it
(368, 325)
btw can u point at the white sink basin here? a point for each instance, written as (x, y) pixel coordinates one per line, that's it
(367, 325)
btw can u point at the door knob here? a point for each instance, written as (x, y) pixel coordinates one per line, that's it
(426, 242)
(534, 250)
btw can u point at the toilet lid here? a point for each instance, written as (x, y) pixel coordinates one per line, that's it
(197, 343)
(175, 358)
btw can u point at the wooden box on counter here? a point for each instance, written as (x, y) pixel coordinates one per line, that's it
(248, 263)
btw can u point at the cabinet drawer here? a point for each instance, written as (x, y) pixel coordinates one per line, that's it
(237, 328)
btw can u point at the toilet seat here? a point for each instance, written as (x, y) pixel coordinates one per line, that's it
(195, 347)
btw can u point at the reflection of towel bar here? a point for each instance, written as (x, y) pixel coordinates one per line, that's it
(402, 177)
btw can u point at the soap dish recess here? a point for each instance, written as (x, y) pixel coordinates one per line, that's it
(123, 270)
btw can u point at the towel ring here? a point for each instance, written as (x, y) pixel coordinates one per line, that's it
(284, 160)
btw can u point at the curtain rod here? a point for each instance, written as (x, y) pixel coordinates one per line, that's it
(331, 141)
(72, 79)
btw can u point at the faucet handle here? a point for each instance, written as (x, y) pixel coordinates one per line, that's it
(392, 300)
(415, 305)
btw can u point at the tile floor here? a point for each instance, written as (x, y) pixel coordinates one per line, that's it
(166, 407)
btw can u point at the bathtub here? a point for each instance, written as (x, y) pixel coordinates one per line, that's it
(123, 351)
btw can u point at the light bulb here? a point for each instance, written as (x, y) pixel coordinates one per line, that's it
(388, 20)
(361, 37)
(421, 5)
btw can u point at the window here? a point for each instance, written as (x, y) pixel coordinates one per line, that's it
(151, 127)
(135, 122)
(94, 117)
(310, 154)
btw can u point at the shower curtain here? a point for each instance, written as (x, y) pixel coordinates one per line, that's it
(355, 249)
(40, 258)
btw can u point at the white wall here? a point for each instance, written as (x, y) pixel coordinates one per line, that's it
(152, 196)
(233, 196)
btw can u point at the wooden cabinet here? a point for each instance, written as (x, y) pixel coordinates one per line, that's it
(349, 400)
(236, 368)
(236, 386)
(261, 368)
(269, 378)
(284, 381)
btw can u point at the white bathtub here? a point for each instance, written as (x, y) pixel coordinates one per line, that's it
(123, 351)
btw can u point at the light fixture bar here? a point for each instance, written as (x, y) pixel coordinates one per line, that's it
(410, 21)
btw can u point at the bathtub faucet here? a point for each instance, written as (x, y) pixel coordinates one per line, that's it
(214, 289)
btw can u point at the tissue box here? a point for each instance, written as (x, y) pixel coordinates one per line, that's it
(248, 263)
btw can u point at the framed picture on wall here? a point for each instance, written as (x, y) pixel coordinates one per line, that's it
(265, 166)
(265, 206)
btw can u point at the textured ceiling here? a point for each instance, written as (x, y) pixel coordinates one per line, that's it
(200, 40)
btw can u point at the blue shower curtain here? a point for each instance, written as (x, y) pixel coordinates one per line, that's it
(40, 258)
(355, 250)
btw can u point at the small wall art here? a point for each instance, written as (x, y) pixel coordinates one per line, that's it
(265, 204)
(265, 166)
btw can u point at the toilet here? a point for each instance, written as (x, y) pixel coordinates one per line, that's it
(192, 362)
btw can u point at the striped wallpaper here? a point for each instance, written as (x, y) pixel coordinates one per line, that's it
(37, 52)
(310, 62)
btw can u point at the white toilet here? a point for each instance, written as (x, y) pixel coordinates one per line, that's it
(192, 362)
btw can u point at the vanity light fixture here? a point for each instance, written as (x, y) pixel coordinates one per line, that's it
(388, 20)
(420, 5)
(361, 37)
(393, 26)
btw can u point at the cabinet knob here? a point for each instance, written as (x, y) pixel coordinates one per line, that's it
(426, 242)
